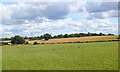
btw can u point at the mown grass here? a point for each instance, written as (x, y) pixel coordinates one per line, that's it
(76, 56)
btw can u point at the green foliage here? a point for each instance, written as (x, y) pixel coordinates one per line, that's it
(60, 36)
(78, 42)
(71, 35)
(47, 36)
(17, 40)
(4, 39)
(5, 43)
(89, 34)
(35, 43)
(118, 37)
(110, 34)
(27, 43)
(42, 43)
(101, 34)
(66, 36)
(26, 37)
(70, 42)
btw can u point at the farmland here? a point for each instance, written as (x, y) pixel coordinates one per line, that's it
(74, 56)
(74, 39)
(58, 35)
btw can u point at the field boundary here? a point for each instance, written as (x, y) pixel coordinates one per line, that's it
(64, 42)
(60, 71)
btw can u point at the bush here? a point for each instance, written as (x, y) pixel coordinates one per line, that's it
(75, 42)
(5, 43)
(35, 43)
(42, 43)
(52, 43)
(26, 43)
(118, 38)
(78, 42)
(58, 43)
(17, 40)
(70, 42)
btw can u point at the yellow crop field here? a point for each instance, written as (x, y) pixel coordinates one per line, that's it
(75, 39)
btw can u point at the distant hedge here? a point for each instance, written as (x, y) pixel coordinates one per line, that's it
(35, 43)
(49, 36)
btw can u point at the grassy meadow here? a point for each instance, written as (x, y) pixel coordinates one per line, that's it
(72, 56)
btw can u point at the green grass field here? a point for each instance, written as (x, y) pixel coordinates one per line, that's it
(74, 56)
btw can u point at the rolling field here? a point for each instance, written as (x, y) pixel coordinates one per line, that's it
(75, 56)
(75, 39)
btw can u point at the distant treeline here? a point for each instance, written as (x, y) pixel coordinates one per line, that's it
(49, 36)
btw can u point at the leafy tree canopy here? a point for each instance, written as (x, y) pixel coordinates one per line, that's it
(17, 40)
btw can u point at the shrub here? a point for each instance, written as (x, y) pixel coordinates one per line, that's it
(70, 42)
(78, 42)
(35, 43)
(42, 43)
(58, 43)
(5, 43)
(118, 38)
(17, 40)
(26, 43)
(52, 43)
(75, 42)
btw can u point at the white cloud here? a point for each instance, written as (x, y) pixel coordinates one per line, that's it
(62, 27)
(58, 0)
(101, 10)
(35, 12)
(39, 18)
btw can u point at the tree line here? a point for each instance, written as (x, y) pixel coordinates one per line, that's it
(49, 36)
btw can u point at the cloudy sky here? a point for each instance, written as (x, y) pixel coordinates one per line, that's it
(37, 18)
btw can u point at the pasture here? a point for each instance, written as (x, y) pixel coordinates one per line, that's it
(74, 56)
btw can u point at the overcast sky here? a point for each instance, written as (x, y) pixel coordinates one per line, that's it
(24, 18)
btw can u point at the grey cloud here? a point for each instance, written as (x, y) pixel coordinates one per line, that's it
(35, 12)
(100, 7)
(12, 21)
(102, 15)
(95, 15)
(48, 10)
(101, 10)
